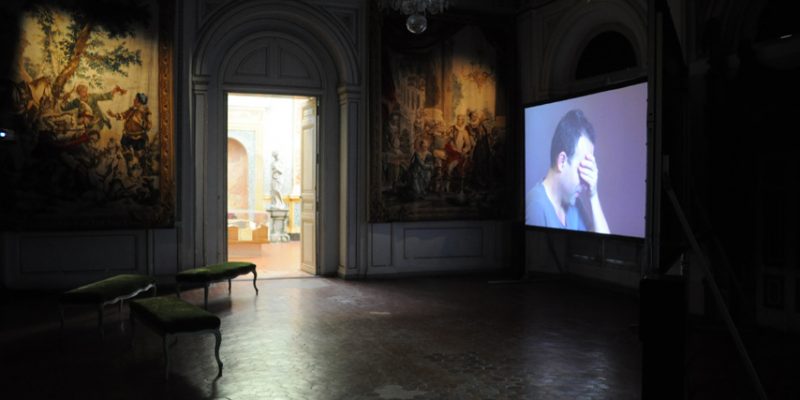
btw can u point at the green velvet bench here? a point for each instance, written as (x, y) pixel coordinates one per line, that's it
(108, 291)
(171, 317)
(214, 273)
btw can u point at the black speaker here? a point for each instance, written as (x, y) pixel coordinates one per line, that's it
(663, 333)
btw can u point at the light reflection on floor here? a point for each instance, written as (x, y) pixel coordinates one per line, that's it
(273, 260)
(325, 339)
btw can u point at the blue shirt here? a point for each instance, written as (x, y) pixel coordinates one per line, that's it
(539, 211)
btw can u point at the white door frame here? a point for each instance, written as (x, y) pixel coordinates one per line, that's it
(316, 170)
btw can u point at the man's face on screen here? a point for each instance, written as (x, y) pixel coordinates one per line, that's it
(570, 181)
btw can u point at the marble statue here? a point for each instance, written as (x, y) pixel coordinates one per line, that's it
(277, 177)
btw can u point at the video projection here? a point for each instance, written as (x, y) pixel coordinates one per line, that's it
(586, 162)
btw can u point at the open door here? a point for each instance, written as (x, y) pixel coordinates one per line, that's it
(308, 190)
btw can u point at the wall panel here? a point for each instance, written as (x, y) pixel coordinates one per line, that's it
(435, 247)
(65, 259)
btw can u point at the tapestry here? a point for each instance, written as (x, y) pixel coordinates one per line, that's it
(438, 148)
(91, 91)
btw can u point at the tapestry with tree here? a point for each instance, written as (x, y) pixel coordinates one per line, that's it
(92, 110)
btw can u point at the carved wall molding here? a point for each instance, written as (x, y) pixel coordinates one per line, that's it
(348, 17)
(233, 21)
(274, 59)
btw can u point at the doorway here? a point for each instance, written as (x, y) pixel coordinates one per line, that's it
(271, 191)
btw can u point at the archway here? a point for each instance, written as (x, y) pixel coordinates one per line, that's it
(576, 29)
(279, 47)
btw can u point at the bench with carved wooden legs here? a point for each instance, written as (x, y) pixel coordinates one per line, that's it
(170, 317)
(115, 289)
(214, 273)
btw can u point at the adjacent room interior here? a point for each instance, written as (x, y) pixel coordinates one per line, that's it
(271, 138)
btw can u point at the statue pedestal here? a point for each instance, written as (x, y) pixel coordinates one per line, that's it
(277, 229)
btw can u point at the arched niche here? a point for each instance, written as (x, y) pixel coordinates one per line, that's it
(238, 176)
(607, 52)
(280, 47)
(574, 32)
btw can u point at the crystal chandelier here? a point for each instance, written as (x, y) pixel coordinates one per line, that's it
(416, 11)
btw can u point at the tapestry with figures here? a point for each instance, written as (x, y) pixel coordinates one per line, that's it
(91, 92)
(439, 148)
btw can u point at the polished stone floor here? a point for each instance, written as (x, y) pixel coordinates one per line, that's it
(320, 338)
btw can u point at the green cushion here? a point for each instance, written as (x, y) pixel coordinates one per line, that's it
(107, 289)
(172, 315)
(216, 272)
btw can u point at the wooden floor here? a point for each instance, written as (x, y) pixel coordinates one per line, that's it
(273, 260)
